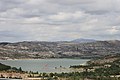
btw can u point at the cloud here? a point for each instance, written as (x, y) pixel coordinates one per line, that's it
(52, 20)
(113, 30)
(12, 13)
(63, 16)
(33, 20)
(72, 2)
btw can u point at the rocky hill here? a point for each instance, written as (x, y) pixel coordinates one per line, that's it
(81, 40)
(23, 50)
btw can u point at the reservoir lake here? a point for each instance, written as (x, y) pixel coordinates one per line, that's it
(44, 65)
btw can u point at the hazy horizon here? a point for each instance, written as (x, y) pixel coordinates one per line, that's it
(63, 20)
(57, 40)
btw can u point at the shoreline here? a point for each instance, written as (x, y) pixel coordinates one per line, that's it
(44, 58)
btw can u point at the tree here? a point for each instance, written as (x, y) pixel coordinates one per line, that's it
(20, 69)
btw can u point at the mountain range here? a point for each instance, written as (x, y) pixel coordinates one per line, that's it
(67, 49)
(82, 40)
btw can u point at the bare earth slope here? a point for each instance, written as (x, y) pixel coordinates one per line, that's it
(34, 49)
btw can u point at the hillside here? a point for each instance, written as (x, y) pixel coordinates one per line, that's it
(21, 50)
(81, 40)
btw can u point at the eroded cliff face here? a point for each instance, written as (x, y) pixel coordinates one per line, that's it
(22, 50)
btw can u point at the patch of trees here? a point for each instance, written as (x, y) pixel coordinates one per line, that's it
(4, 67)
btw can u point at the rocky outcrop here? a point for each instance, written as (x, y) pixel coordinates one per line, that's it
(58, 49)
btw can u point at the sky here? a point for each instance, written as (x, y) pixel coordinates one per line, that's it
(59, 20)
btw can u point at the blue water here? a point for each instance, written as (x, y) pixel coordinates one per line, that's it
(43, 65)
